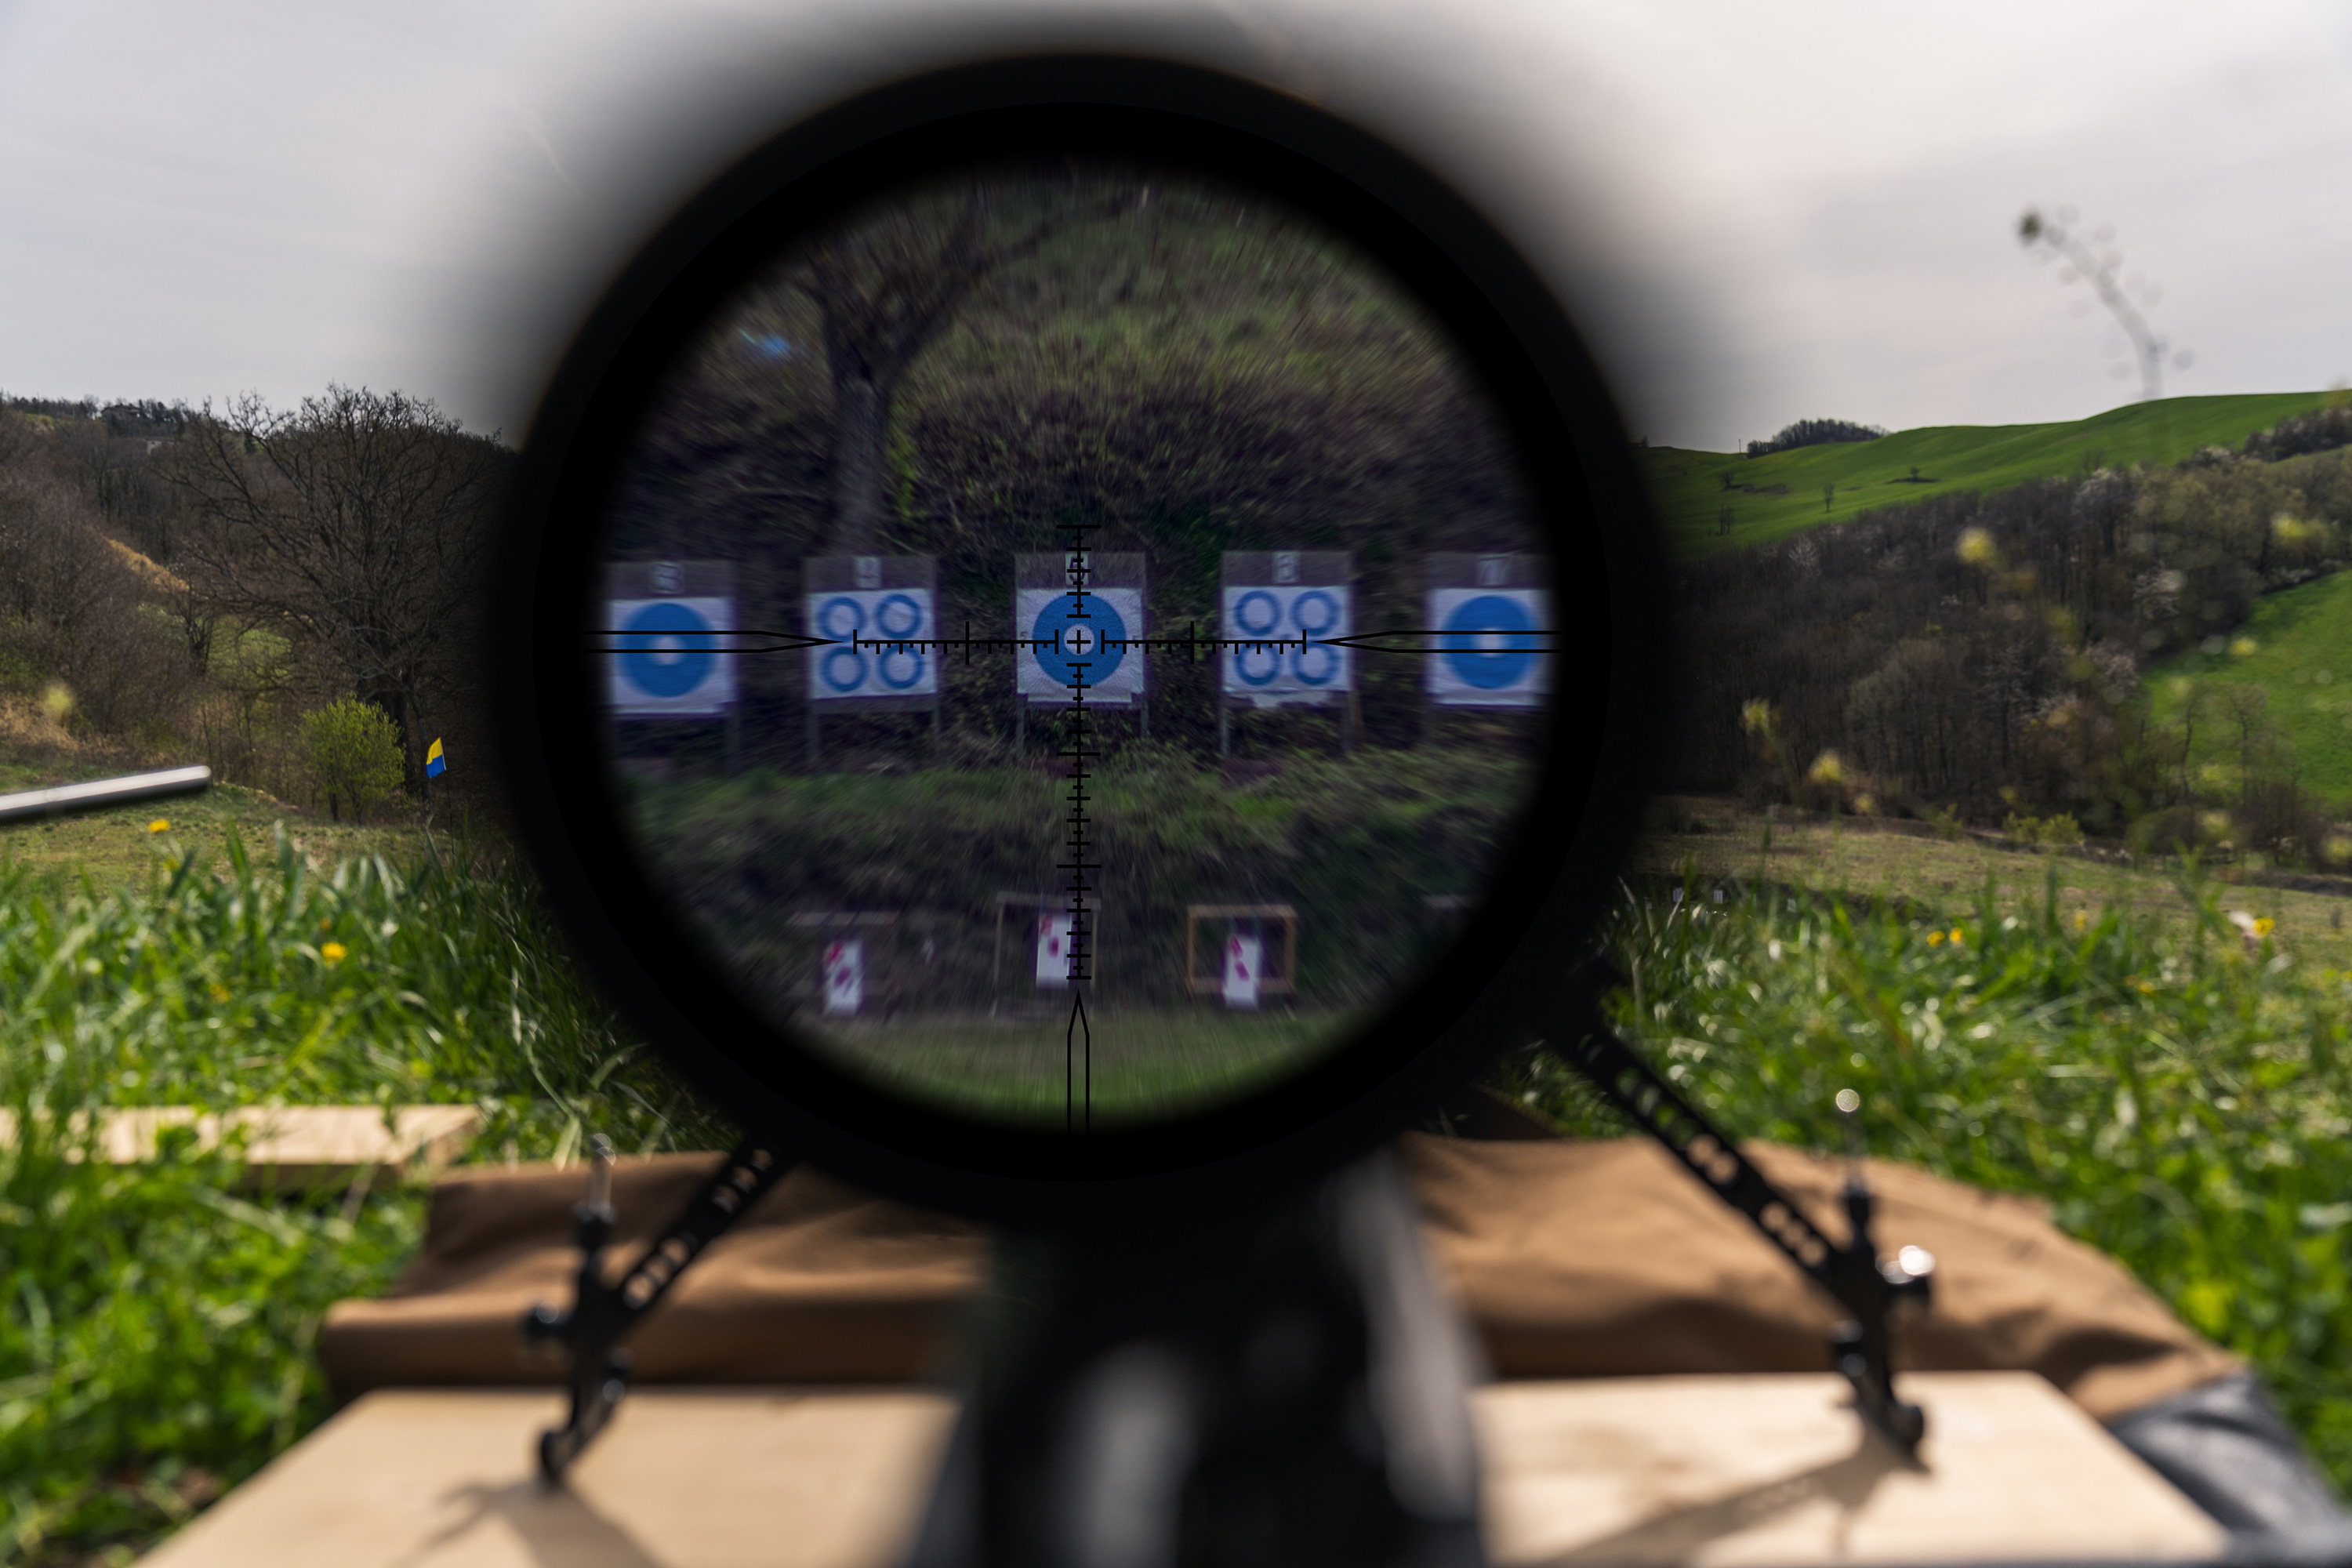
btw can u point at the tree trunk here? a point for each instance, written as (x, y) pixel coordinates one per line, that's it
(861, 414)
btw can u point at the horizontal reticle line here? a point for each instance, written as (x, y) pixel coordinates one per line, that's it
(787, 642)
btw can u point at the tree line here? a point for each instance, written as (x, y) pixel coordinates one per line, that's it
(1814, 433)
(955, 374)
(201, 590)
(1983, 653)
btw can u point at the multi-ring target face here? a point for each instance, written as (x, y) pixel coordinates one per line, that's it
(1070, 628)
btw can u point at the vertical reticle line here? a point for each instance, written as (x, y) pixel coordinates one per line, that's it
(1079, 1096)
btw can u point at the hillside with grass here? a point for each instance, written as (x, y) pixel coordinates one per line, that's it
(1781, 493)
(2282, 680)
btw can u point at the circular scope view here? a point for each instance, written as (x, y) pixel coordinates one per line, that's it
(1075, 642)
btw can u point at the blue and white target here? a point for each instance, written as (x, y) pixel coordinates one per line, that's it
(1291, 665)
(869, 663)
(1079, 639)
(1491, 648)
(1074, 643)
(670, 656)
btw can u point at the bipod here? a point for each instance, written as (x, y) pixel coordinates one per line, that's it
(1868, 1287)
(601, 1314)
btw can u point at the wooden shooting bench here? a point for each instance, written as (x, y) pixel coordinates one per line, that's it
(293, 1146)
(1730, 1470)
(734, 1448)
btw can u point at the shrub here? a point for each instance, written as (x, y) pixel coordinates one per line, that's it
(354, 752)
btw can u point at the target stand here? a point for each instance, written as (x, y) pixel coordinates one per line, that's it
(1280, 972)
(846, 598)
(675, 659)
(1106, 672)
(1489, 617)
(1301, 601)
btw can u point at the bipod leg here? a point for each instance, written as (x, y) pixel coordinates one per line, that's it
(1865, 1286)
(601, 1314)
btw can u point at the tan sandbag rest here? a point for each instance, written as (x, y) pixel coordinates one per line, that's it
(1573, 1259)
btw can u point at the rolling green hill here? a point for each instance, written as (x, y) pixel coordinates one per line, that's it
(2297, 648)
(1772, 497)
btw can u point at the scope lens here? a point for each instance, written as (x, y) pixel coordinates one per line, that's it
(1071, 639)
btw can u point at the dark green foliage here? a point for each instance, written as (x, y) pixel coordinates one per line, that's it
(2322, 430)
(2182, 1103)
(1353, 846)
(1815, 433)
(155, 1342)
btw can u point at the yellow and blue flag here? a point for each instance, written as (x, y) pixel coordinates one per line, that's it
(434, 763)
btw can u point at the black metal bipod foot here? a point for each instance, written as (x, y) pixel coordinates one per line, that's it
(602, 1314)
(1866, 1286)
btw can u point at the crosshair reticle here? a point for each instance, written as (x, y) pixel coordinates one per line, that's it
(1169, 682)
(1081, 640)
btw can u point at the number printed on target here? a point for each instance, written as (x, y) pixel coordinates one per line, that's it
(870, 619)
(1288, 668)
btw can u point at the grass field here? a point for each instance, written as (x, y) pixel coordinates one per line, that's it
(122, 844)
(2103, 1038)
(1781, 494)
(1717, 840)
(156, 1330)
(2296, 648)
(1145, 1064)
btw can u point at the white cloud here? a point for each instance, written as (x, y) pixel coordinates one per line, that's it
(1761, 213)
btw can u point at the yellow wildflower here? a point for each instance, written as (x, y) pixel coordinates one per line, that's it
(334, 953)
(1935, 939)
(1957, 938)
(158, 825)
(2264, 925)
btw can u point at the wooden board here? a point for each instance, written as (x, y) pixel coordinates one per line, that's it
(1699, 1470)
(1754, 1470)
(681, 1479)
(296, 1145)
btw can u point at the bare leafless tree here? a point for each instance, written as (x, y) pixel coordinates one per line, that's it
(889, 280)
(71, 608)
(354, 524)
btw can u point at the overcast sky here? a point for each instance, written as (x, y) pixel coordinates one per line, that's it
(1758, 212)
